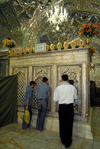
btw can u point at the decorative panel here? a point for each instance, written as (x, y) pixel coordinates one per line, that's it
(92, 74)
(74, 73)
(22, 83)
(95, 76)
(97, 80)
(4, 64)
(43, 72)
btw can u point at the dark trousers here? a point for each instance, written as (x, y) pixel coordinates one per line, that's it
(42, 108)
(24, 124)
(66, 114)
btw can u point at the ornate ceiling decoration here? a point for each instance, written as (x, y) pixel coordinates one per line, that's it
(30, 22)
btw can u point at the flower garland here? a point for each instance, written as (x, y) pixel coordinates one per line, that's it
(9, 43)
(89, 29)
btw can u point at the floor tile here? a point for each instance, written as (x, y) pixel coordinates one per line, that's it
(87, 144)
(77, 143)
(13, 137)
(55, 145)
(96, 145)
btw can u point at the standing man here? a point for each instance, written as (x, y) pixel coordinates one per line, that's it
(42, 92)
(28, 102)
(65, 95)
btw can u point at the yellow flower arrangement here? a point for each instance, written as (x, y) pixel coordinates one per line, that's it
(9, 43)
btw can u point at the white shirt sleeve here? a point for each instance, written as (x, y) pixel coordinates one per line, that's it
(75, 93)
(56, 95)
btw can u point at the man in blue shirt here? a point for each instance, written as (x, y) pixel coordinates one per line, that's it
(42, 92)
(28, 101)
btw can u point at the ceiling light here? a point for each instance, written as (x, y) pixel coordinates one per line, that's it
(57, 15)
(57, 28)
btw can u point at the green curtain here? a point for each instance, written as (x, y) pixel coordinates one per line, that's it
(8, 100)
(92, 93)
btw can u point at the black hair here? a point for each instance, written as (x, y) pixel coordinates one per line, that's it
(71, 82)
(32, 82)
(65, 77)
(45, 79)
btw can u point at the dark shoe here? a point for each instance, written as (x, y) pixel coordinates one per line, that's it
(27, 128)
(62, 143)
(30, 126)
(69, 146)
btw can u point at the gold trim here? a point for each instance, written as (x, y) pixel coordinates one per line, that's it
(59, 46)
(20, 51)
(10, 51)
(87, 41)
(47, 47)
(66, 44)
(30, 49)
(52, 47)
(25, 50)
(73, 44)
(15, 51)
(81, 43)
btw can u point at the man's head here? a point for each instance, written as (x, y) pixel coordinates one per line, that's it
(45, 80)
(71, 82)
(64, 77)
(32, 84)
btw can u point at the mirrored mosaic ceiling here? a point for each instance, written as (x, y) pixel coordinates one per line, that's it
(30, 22)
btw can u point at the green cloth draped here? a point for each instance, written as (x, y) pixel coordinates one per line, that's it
(92, 93)
(8, 100)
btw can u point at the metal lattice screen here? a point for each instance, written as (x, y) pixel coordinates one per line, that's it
(72, 76)
(34, 103)
(42, 74)
(21, 89)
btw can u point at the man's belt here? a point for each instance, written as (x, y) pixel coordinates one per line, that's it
(41, 99)
(66, 104)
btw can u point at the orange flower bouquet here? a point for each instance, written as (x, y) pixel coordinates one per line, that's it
(93, 50)
(90, 29)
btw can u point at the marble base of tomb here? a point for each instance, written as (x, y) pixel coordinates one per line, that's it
(52, 64)
(80, 129)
